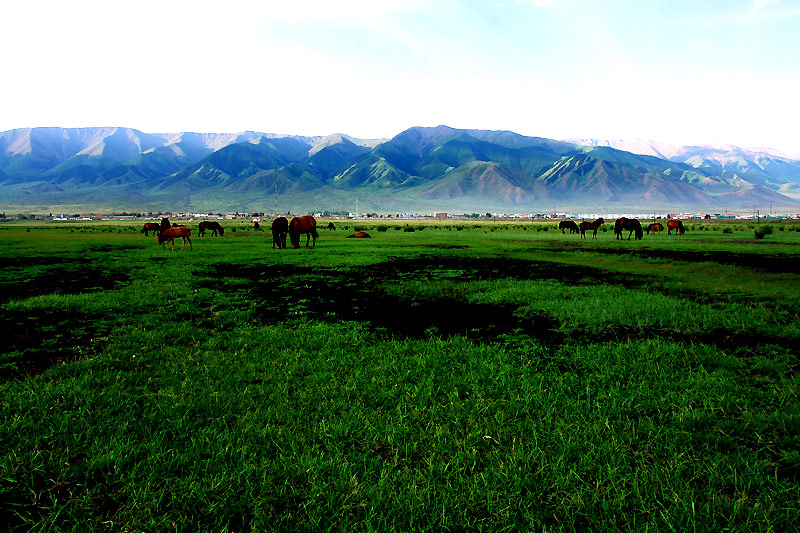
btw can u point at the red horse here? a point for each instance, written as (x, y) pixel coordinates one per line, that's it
(630, 225)
(301, 225)
(590, 226)
(654, 227)
(676, 225)
(359, 235)
(168, 235)
(280, 227)
(151, 226)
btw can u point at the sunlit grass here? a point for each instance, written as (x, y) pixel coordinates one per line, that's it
(649, 394)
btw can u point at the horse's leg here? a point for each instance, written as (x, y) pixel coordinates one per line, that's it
(190, 243)
(308, 239)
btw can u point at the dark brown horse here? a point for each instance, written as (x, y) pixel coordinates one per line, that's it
(168, 235)
(301, 225)
(165, 223)
(568, 224)
(630, 225)
(330, 226)
(590, 226)
(655, 227)
(280, 227)
(676, 225)
(151, 226)
(359, 235)
(212, 225)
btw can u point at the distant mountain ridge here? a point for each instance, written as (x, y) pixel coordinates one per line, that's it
(439, 168)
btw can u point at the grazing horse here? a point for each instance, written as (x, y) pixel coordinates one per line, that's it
(168, 235)
(280, 227)
(151, 226)
(655, 226)
(590, 226)
(165, 223)
(359, 235)
(330, 226)
(568, 224)
(212, 225)
(301, 225)
(628, 224)
(676, 225)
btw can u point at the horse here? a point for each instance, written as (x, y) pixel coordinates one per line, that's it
(590, 226)
(165, 223)
(568, 224)
(280, 227)
(212, 225)
(330, 226)
(301, 225)
(676, 225)
(359, 235)
(151, 226)
(655, 226)
(628, 224)
(168, 235)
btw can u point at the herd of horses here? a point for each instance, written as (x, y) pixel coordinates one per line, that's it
(281, 227)
(307, 225)
(621, 225)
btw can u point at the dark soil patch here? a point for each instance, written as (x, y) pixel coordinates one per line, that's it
(351, 300)
(356, 295)
(33, 342)
(359, 295)
(768, 263)
(83, 280)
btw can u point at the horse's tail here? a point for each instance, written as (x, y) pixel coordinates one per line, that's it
(314, 232)
(639, 232)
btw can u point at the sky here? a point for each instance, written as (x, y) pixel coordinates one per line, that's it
(676, 71)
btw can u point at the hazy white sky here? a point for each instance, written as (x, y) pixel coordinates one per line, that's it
(682, 71)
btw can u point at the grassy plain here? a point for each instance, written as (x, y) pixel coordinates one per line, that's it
(460, 376)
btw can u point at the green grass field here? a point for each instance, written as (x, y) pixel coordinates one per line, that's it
(461, 376)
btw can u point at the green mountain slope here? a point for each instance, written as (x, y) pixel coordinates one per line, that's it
(437, 168)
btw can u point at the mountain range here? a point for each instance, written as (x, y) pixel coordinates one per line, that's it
(421, 169)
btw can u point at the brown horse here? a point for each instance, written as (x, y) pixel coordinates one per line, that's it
(359, 235)
(590, 226)
(568, 224)
(330, 226)
(168, 235)
(676, 225)
(301, 225)
(212, 225)
(630, 225)
(151, 226)
(280, 227)
(165, 223)
(655, 226)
